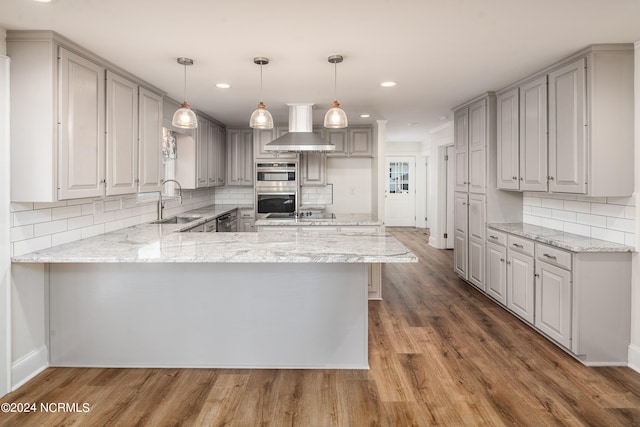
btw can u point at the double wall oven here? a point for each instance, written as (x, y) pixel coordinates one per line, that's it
(276, 188)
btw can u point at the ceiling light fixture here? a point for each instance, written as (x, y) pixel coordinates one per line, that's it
(365, 116)
(184, 117)
(389, 84)
(261, 118)
(335, 118)
(223, 85)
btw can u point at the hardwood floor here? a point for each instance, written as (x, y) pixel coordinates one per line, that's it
(441, 353)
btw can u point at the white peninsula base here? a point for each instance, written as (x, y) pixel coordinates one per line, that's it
(233, 315)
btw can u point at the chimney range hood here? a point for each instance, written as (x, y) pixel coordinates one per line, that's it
(300, 137)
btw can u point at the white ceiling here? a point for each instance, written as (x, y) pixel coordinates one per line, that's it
(442, 53)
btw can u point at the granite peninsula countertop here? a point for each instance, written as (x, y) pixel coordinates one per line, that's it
(560, 239)
(339, 220)
(164, 243)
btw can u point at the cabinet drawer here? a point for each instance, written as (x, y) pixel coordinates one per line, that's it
(247, 213)
(497, 237)
(520, 244)
(553, 256)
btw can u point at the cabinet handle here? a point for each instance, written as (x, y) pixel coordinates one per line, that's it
(536, 275)
(508, 262)
(515, 178)
(521, 179)
(549, 256)
(501, 259)
(493, 237)
(518, 246)
(550, 178)
(464, 203)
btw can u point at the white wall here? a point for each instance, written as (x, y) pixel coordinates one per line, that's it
(634, 348)
(5, 260)
(440, 137)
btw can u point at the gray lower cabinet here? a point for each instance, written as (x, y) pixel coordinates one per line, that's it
(579, 300)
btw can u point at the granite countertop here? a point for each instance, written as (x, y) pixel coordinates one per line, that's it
(164, 243)
(560, 239)
(339, 220)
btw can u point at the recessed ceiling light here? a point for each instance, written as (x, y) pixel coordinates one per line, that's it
(413, 124)
(442, 118)
(43, 1)
(389, 84)
(223, 85)
(365, 116)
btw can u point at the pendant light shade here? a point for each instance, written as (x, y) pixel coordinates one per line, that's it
(335, 118)
(184, 117)
(261, 118)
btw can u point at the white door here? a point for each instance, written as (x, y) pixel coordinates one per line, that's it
(400, 192)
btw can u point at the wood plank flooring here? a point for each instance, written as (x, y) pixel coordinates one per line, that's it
(441, 353)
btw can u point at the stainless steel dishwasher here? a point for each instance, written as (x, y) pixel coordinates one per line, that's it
(228, 222)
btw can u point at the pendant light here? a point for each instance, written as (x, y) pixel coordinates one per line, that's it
(261, 117)
(335, 118)
(184, 117)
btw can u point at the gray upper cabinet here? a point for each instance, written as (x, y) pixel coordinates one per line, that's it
(461, 129)
(313, 169)
(533, 135)
(477, 147)
(79, 121)
(567, 122)
(575, 125)
(82, 135)
(149, 141)
(122, 135)
(508, 140)
(355, 141)
(240, 157)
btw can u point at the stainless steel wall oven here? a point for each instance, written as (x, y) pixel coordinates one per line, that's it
(276, 188)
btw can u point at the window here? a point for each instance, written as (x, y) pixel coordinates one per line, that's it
(398, 177)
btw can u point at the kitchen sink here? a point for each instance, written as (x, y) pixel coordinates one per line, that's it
(178, 219)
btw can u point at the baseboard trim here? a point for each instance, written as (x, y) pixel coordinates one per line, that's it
(634, 357)
(28, 367)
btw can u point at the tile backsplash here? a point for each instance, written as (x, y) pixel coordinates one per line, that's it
(605, 218)
(36, 226)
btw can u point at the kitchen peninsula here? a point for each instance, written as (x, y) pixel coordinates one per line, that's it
(150, 295)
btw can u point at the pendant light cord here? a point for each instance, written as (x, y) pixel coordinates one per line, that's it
(335, 81)
(260, 82)
(185, 83)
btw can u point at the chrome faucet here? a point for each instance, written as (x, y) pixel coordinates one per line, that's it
(160, 202)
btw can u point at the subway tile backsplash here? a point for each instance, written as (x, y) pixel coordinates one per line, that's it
(36, 226)
(605, 218)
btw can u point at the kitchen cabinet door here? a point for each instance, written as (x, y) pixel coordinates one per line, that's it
(239, 157)
(262, 137)
(314, 169)
(81, 170)
(216, 155)
(202, 152)
(477, 229)
(360, 142)
(122, 135)
(496, 272)
(476, 262)
(221, 156)
(339, 138)
(567, 124)
(533, 135)
(520, 285)
(461, 138)
(477, 157)
(553, 302)
(149, 141)
(460, 254)
(508, 140)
